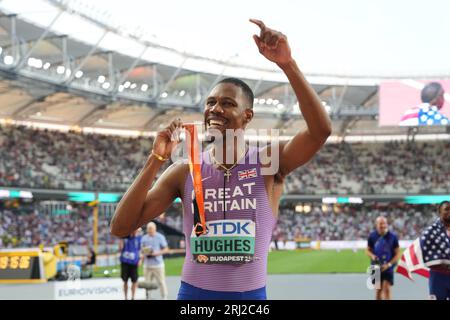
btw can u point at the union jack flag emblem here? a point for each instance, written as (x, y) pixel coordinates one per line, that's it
(246, 174)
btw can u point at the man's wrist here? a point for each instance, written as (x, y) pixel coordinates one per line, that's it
(153, 161)
(291, 64)
(158, 156)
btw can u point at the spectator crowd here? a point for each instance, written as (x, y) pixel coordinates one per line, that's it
(33, 158)
(28, 226)
(352, 222)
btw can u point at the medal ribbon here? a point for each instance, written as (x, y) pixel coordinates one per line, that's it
(196, 175)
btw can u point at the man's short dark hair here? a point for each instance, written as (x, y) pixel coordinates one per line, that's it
(442, 204)
(245, 88)
(430, 92)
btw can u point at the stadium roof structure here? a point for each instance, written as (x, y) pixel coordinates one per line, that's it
(105, 77)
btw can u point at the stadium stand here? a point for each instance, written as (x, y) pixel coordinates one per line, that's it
(28, 226)
(67, 160)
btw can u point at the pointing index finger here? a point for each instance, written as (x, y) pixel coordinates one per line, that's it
(259, 23)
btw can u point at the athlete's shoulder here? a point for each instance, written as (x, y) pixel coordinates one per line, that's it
(271, 145)
(159, 235)
(393, 234)
(270, 149)
(178, 169)
(410, 116)
(373, 235)
(437, 224)
(180, 164)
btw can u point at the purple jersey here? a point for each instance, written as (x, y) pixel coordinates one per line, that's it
(240, 203)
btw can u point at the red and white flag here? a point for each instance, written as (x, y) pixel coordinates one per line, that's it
(412, 261)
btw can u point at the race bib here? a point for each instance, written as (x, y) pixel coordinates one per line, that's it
(226, 242)
(129, 255)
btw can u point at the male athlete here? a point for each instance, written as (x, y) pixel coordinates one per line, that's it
(437, 253)
(241, 204)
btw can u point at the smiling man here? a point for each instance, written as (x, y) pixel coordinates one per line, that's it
(240, 200)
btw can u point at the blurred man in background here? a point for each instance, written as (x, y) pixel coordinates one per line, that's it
(129, 248)
(154, 245)
(383, 250)
(89, 264)
(428, 112)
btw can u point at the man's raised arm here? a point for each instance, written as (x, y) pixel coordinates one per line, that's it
(301, 148)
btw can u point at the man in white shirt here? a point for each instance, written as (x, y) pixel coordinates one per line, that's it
(153, 246)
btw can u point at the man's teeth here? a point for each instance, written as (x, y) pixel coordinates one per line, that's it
(215, 122)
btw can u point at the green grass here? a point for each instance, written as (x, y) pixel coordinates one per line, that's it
(284, 262)
(173, 268)
(317, 261)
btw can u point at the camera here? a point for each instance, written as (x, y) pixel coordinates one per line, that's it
(147, 251)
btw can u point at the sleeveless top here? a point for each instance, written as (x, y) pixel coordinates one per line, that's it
(245, 199)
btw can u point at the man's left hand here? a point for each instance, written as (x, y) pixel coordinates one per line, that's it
(384, 267)
(272, 44)
(156, 253)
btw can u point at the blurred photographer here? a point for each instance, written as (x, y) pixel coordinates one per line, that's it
(153, 246)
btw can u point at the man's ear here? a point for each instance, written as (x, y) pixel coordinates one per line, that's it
(248, 115)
